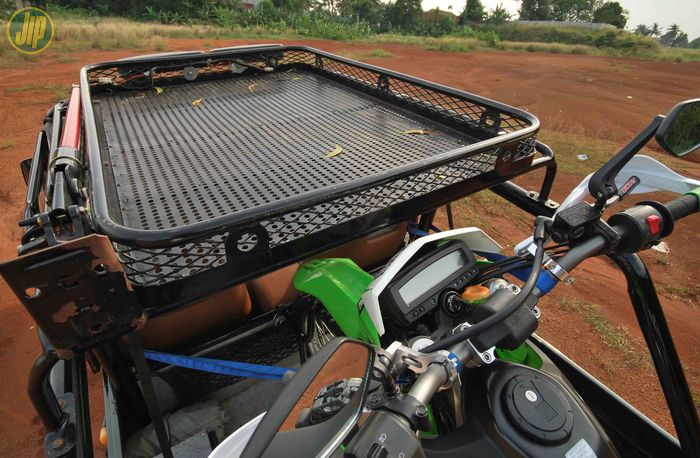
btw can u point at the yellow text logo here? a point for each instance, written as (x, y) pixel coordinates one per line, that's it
(30, 30)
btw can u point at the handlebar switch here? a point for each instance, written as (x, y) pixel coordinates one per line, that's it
(385, 434)
(642, 226)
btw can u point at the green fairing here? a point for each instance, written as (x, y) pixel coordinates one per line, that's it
(524, 354)
(339, 284)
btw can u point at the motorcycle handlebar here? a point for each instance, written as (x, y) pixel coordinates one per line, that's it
(683, 206)
(678, 208)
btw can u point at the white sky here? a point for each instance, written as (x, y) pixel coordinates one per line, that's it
(685, 13)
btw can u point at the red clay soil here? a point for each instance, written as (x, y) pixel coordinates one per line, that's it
(600, 97)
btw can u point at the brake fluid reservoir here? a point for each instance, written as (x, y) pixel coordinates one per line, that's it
(476, 294)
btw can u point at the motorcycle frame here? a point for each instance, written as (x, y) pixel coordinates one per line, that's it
(616, 414)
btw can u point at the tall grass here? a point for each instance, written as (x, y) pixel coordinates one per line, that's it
(82, 32)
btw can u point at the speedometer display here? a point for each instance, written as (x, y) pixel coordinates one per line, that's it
(433, 275)
(415, 290)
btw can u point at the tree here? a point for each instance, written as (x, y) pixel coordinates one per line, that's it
(473, 12)
(498, 15)
(574, 10)
(404, 14)
(611, 13)
(695, 43)
(655, 30)
(674, 37)
(366, 10)
(558, 10)
(643, 30)
(536, 10)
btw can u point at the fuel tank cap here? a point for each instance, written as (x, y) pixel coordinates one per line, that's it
(538, 409)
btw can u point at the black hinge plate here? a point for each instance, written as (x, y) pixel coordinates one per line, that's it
(76, 292)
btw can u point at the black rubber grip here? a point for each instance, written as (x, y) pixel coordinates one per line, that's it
(685, 205)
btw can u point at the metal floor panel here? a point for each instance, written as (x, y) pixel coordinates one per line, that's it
(252, 140)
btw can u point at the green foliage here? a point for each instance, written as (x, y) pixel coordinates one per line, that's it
(575, 36)
(674, 37)
(473, 12)
(558, 10)
(498, 15)
(365, 10)
(611, 13)
(7, 7)
(437, 23)
(403, 15)
(536, 10)
(573, 10)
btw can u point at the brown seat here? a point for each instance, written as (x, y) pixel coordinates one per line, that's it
(277, 287)
(222, 310)
(229, 308)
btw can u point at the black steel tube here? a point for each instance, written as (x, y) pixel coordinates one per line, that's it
(31, 207)
(550, 170)
(663, 352)
(83, 440)
(41, 394)
(521, 198)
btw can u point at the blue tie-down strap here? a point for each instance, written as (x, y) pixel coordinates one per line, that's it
(545, 282)
(217, 366)
(413, 229)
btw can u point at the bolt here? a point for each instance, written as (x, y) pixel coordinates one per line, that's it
(486, 357)
(421, 411)
(58, 443)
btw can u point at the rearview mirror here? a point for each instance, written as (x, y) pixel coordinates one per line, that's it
(679, 133)
(319, 407)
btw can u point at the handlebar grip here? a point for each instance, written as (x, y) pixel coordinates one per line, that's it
(683, 206)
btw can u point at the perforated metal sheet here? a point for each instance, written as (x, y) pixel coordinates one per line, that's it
(251, 140)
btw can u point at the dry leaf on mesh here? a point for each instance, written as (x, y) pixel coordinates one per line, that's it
(158, 89)
(251, 87)
(417, 131)
(196, 103)
(338, 149)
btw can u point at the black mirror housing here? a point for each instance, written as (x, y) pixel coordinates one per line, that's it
(273, 436)
(679, 133)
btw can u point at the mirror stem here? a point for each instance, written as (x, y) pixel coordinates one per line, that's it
(602, 183)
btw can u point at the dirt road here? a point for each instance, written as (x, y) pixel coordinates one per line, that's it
(600, 97)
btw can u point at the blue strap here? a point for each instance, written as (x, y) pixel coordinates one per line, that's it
(413, 230)
(545, 282)
(217, 366)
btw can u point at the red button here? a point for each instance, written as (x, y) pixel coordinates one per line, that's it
(654, 223)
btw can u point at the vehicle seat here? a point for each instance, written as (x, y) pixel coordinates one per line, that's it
(225, 309)
(277, 287)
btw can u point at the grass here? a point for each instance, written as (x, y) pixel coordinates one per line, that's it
(81, 33)
(7, 143)
(59, 91)
(688, 294)
(615, 337)
(66, 59)
(376, 53)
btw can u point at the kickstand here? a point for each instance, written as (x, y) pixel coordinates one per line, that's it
(149, 394)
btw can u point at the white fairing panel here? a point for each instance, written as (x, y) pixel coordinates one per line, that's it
(473, 237)
(652, 174)
(233, 445)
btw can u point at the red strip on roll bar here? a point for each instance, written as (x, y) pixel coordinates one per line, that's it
(71, 126)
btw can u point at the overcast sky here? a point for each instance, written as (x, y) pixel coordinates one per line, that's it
(685, 13)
